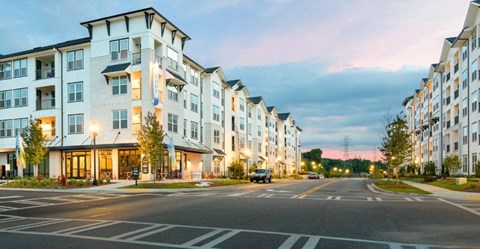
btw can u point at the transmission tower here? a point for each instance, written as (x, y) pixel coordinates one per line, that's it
(346, 143)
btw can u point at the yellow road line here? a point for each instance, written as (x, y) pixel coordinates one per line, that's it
(136, 190)
(302, 195)
(472, 198)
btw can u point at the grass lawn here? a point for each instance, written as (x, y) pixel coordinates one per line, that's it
(400, 187)
(418, 179)
(175, 185)
(450, 184)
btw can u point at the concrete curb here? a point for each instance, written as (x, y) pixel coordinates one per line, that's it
(372, 187)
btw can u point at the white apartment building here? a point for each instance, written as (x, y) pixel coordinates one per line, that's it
(131, 64)
(443, 113)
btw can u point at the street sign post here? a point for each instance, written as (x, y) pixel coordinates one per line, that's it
(135, 174)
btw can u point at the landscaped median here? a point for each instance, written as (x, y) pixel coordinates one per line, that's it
(472, 184)
(399, 187)
(179, 185)
(50, 183)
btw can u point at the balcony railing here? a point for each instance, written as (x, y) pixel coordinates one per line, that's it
(45, 104)
(159, 60)
(456, 94)
(136, 58)
(456, 119)
(46, 73)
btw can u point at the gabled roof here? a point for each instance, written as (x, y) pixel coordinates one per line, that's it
(240, 87)
(284, 116)
(44, 48)
(405, 101)
(451, 40)
(270, 108)
(256, 100)
(193, 62)
(145, 11)
(232, 83)
(211, 69)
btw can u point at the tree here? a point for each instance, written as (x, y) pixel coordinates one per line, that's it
(235, 170)
(396, 146)
(452, 164)
(314, 155)
(477, 169)
(429, 171)
(150, 139)
(35, 149)
(412, 169)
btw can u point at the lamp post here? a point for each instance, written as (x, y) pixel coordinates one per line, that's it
(94, 129)
(247, 154)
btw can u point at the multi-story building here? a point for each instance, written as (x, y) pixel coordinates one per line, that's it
(443, 113)
(131, 64)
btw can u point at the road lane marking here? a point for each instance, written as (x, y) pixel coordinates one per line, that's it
(270, 195)
(262, 195)
(473, 198)
(202, 238)
(369, 199)
(92, 227)
(243, 193)
(316, 188)
(220, 239)
(67, 230)
(338, 198)
(395, 246)
(294, 196)
(329, 198)
(11, 197)
(460, 206)
(418, 199)
(408, 199)
(378, 199)
(38, 224)
(311, 243)
(289, 242)
(143, 235)
(136, 231)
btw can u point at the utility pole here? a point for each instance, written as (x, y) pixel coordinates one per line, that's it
(346, 143)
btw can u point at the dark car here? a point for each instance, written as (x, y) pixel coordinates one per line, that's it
(261, 174)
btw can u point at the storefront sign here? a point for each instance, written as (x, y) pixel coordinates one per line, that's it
(197, 175)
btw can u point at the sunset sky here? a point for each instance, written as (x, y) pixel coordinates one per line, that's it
(339, 66)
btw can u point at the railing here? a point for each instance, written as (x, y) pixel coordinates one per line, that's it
(455, 94)
(159, 60)
(456, 119)
(172, 64)
(45, 104)
(136, 58)
(46, 73)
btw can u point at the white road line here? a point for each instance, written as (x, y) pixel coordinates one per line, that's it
(329, 198)
(369, 199)
(203, 237)
(10, 219)
(11, 197)
(338, 198)
(67, 230)
(408, 199)
(460, 206)
(378, 199)
(418, 199)
(289, 242)
(421, 247)
(7, 207)
(262, 195)
(395, 246)
(270, 195)
(311, 243)
(293, 196)
(35, 203)
(237, 194)
(301, 196)
(206, 194)
(93, 227)
(150, 233)
(38, 224)
(220, 239)
(135, 231)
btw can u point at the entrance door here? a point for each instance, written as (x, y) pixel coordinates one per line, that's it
(78, 164)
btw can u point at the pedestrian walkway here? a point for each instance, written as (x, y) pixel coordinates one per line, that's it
(445, 193)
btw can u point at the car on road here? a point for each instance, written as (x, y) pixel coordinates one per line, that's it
(261, 174)
(313, 175)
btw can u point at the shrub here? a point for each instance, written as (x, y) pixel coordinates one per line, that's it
(235, 170)
(72, 182)
(429, 171)
(88, 181)
(46, 182)
(108, 180)
(81, 182)
(100, 180)
(477, 170)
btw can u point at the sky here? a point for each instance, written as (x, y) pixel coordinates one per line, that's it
(338, 66)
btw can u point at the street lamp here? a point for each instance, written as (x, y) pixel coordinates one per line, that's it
(94, 129)
(247, 154)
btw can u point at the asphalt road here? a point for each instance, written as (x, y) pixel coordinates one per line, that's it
(328, 213)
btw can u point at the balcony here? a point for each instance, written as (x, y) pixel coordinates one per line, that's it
(456, 94)
(455, 68)
(45, 98)
(45, 73)
(45, 104)
(456, 119)
(136, 58)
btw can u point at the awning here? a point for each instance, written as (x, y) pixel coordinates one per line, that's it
(175, 80)
(189, 146)
(114, 70)
(261, 158)
(219, 152)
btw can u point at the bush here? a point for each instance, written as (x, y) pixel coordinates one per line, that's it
(100, 180)
(46, 182)
(72, 182)
(80, 182)
(88, 181)
(477, 170)
(235, 170)
(108, 180)
(429, 172)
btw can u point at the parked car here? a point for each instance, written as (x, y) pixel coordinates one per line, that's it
(261, 174)
(313, 175)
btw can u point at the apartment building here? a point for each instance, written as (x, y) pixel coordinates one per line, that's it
(442, 114)
(132, 64)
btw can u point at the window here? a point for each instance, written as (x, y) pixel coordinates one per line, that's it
(6, 99)
(194, 77)
(242, 104)
(185, 99)
(474, 131)
(233, 123)
(6, 128)
(259, 148)
(20, 125)
(172, 94)
(259, 114)
(249, 129)
(259, 131)
(474, 100)
(5, 70)
(474, 69)
(233, 104)
(464, 107)
(465, 135)
(242, 143)
(119, 85)
(172, 56)
(465, 52)
(216, 90)
(474, 160)
(464, 164)
(216, 136)
(119, 119)
(193, 103)
(119, 49)
(75, 124)
(474, 38)
(249, 110)
(19, 68)
(194, 130)
(216, 113)
(185, 128)
(75, 60)
(242, 124)
(172, 123)
(20, 97)
(233, 143)
(75, 92)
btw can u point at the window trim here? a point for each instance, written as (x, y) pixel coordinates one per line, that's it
(83, 123)
(75, 60)
(75, 92)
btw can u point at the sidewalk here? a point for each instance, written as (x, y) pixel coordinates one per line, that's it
(445, 193)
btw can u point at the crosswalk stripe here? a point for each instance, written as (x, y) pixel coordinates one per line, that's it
(220, 239)
(378, 199)
(418, 199)
(270, 195)
(294, 196)
(92, 227)
(150, 233)
(329, 198)
(301, 197)
(33, 225)
(66, 230)
(338, 198)
(203, 237)
(311, 243)
(11, 197)
(289, 242)
(135, 232)
(262, 195)
(369, 199)
(408, 199)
